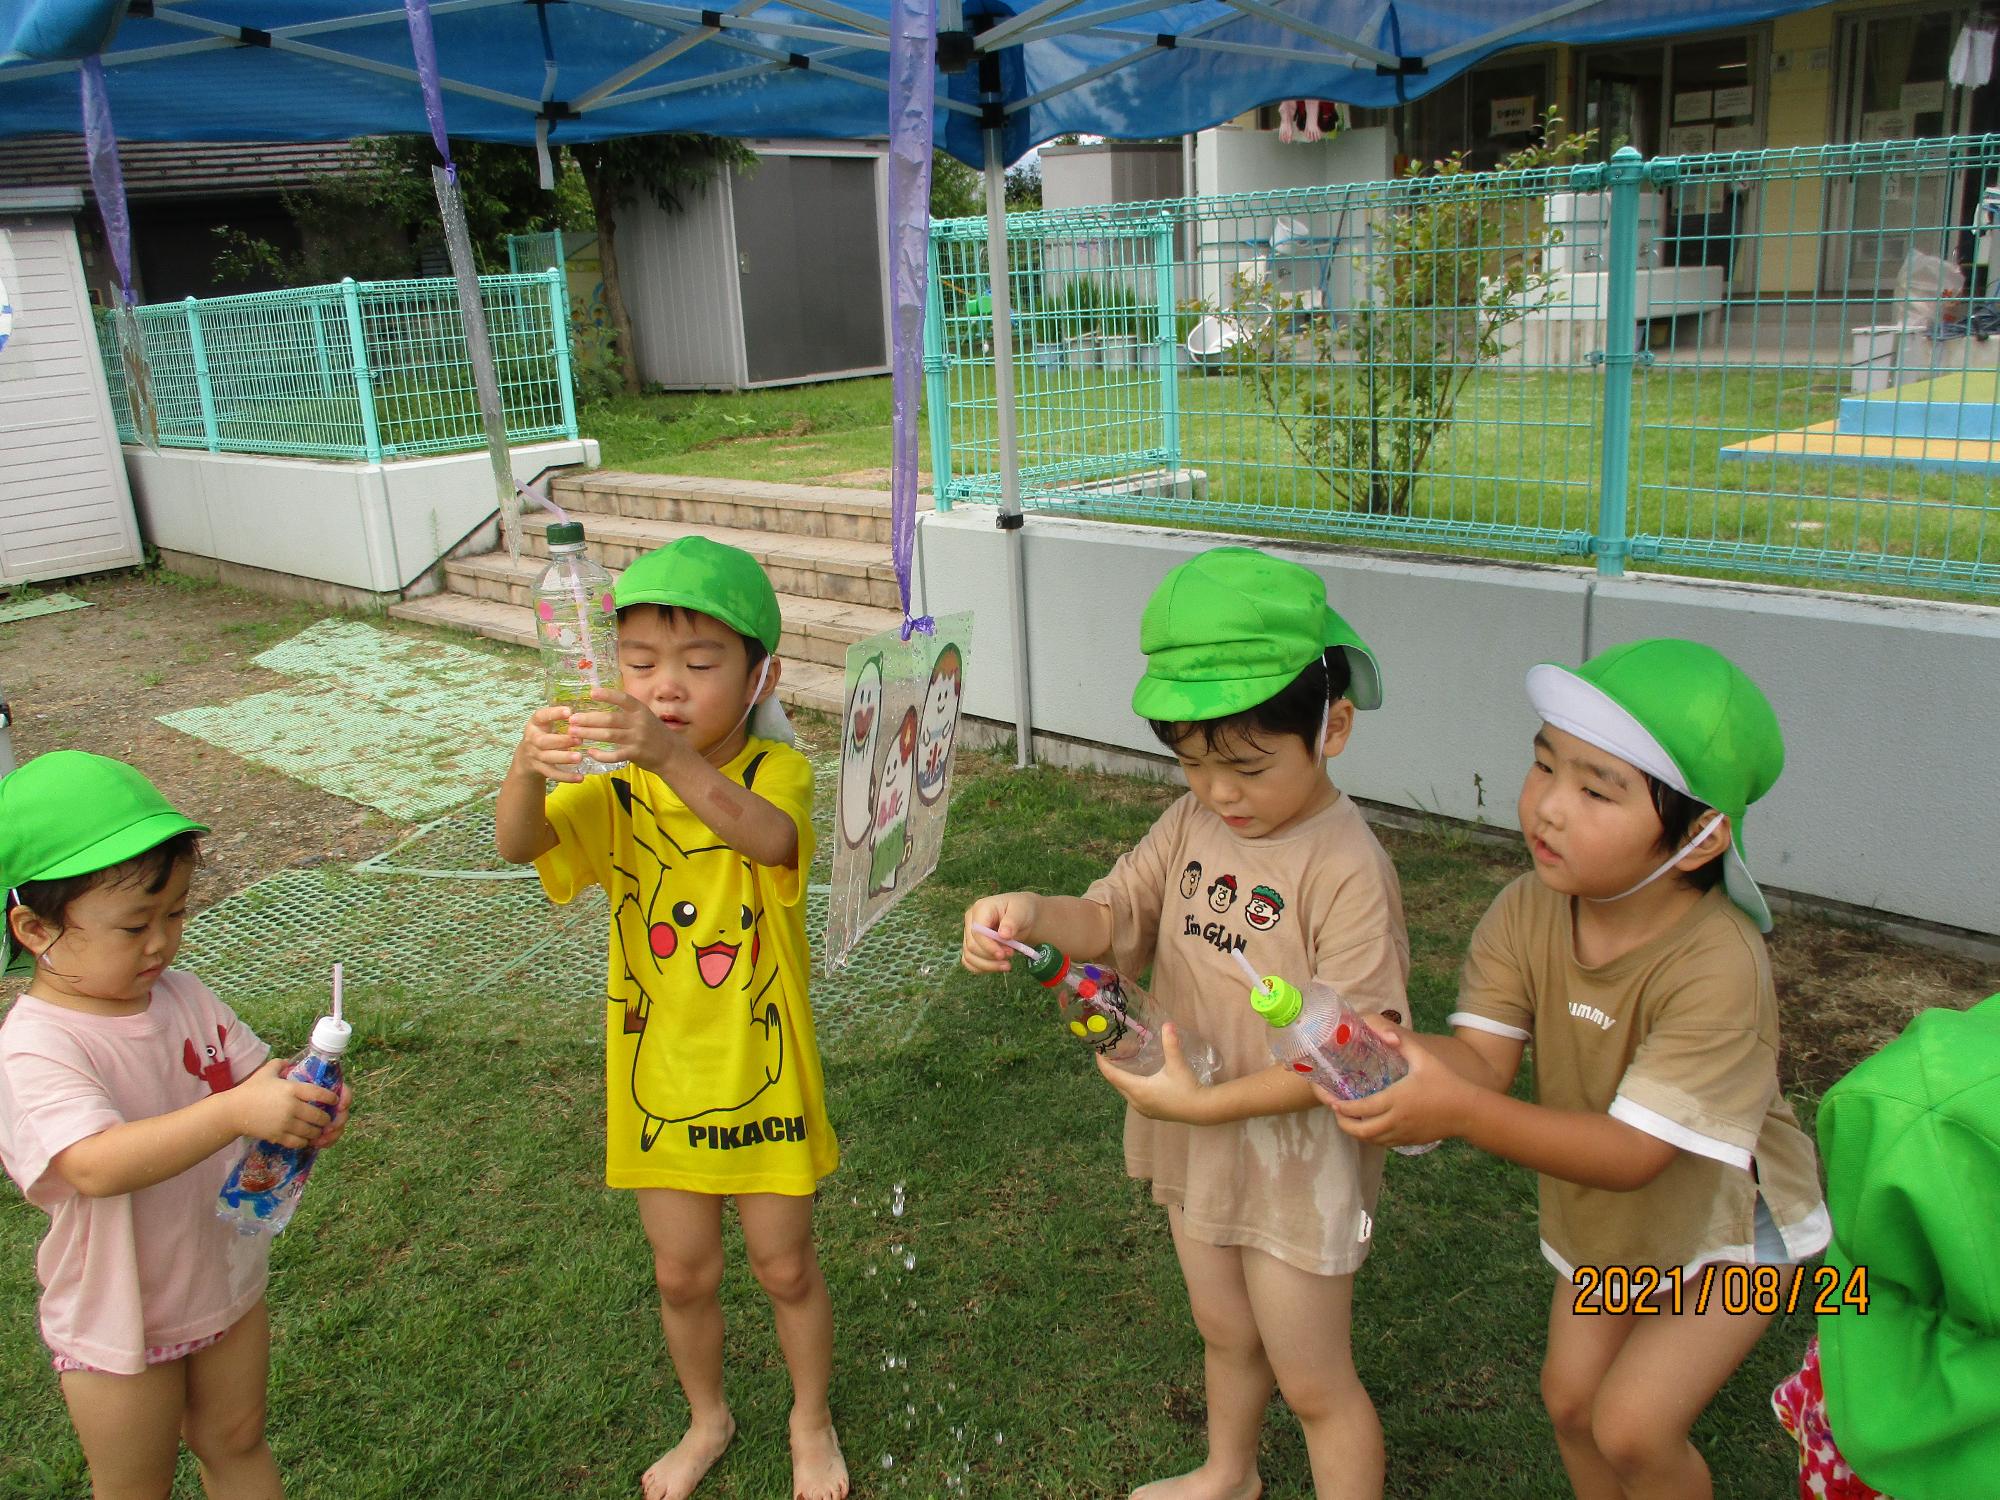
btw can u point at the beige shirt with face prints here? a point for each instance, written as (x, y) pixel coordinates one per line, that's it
(1318, 901)
(1678, 1038)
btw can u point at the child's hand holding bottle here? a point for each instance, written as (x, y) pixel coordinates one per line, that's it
(548, 748)
(285, 1111)
(1012, 914)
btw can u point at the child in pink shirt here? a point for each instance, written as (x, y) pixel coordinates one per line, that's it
(124, 1091)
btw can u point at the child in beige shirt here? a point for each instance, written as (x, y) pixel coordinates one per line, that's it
(1253, 681)
(1632, 961)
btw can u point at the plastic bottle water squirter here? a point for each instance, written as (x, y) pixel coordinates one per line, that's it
(1114, 1017)
(1320, 1035)
(264, 1186)
(576, 626)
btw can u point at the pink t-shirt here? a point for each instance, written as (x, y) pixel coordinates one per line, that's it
(146, 1269)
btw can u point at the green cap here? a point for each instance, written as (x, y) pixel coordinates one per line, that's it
(565, 534)
(1911, 1140)
(1231, 628)
(1276, 1001)
(696, 573)
(69, 812)
(1048, 965)
(1682, 712)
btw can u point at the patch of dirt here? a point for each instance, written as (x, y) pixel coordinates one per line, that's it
(94, 679)
(1845, 990)
(798, 427)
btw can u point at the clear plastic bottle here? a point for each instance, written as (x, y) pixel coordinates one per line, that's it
(576, 624)
(1114, 1017)
(1317, 1033)
(264, 1186)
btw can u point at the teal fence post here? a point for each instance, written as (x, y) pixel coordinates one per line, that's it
(559, 315)
(204, 386)
(1623, 177)
(364, 381)
(937, 384)
(1170, 350)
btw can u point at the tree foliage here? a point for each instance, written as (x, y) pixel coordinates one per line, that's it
(1457, 262)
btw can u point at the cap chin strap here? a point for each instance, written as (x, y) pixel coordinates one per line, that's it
(781, 730)
(1319, 745)
(1672, 860)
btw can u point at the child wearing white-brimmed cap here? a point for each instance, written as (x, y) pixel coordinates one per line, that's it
(1632, 959)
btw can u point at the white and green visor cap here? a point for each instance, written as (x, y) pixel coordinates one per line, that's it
(1682, 712)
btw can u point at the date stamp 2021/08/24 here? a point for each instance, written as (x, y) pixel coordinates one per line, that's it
(1734, 1288)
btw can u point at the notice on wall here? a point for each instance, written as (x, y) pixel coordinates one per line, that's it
(1699, 104)
(1887, 125)
(1691, 140)
(1513, 116)
(1736, 103)
(1923, 98)
(1736, 137)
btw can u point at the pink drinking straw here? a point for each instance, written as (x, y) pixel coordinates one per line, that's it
(1021, 948)
(336, 992)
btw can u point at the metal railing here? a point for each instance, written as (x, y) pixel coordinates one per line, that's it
(1744, 363)
(358, 370)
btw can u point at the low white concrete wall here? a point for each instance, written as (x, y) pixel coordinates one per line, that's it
(1890, 707)
(375, 527)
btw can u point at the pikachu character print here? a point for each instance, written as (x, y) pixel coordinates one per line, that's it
(702, 1009)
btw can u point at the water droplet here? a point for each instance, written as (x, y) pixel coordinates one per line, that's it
(909, 1260)
(910, 1408)
(871, 1269)
(999, 1437)
(888, 1460)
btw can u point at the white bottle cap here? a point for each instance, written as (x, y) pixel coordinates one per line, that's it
(331, 1035)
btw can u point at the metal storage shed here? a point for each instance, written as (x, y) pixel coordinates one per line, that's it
(65, 507)
(772, 277)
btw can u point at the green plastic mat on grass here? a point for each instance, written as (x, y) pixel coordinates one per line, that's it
(35, 607)
(405, 724)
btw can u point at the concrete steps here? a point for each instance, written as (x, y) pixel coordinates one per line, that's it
(826, 551)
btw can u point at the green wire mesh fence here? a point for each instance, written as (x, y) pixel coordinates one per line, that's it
(358, 370)
(1771, 363)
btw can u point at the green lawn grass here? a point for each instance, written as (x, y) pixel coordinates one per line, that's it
(463, 1309)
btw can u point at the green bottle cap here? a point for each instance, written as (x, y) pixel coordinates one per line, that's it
(1277, 1002)
(1049, 964)
(566, 533)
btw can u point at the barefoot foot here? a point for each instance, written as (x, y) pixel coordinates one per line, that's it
(1205, 1483)
(818, 1470)
(676, 1472)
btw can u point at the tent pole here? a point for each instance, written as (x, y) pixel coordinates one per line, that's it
(1011, 518)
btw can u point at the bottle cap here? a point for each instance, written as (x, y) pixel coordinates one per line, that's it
(331, 1035)
(1049, 964)
(1277, 1002)
(565, 533)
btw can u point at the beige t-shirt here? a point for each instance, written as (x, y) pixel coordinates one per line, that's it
(147, 1269)
(1319, 901)
(1678, 1038)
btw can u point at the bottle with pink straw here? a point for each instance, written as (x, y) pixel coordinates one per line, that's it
(1317, 1033)
(576, 626)
(265, 1184)
(1108, 1013)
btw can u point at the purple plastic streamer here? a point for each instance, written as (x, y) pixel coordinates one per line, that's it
(912, 93)
(107, 179)
(424, 46)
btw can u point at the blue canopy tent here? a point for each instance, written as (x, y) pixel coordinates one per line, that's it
(588, 69)
(550, 71)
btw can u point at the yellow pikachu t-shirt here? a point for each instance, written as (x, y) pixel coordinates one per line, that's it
(711, 1069)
